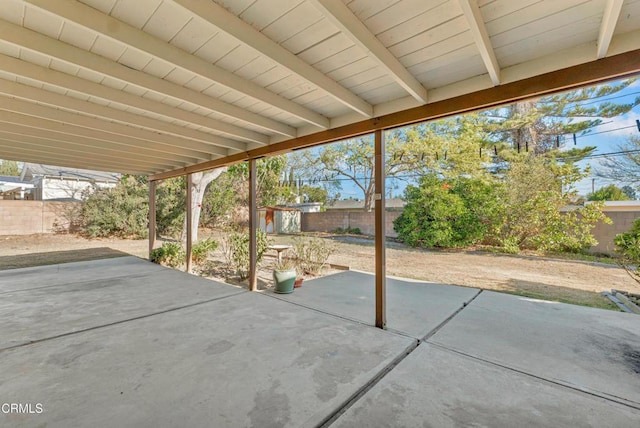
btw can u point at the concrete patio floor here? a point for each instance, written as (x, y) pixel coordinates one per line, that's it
(122, 342)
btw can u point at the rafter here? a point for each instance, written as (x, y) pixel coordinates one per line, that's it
(263, 45)
(126, 133)
(58, 100)
(181, 154)
(65, 81)
(60, 138)
(342, 17)
(106, 25)
(481, 37)
(52, 158)
(25, 38)
(17, 142)
(608, 26)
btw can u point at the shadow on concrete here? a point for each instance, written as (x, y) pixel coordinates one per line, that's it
(56, 257)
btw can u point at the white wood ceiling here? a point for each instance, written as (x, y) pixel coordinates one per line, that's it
(147, 86)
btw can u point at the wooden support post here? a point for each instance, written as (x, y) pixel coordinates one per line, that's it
(253, 226)
(189, 221)
(152, 216)
(379, 199)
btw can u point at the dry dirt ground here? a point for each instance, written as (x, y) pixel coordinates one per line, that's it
(567, 281)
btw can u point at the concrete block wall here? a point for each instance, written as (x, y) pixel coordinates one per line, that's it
(332, 220)
(29, 217)
(605, 233)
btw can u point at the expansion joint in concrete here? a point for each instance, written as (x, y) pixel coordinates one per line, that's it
(119, 322)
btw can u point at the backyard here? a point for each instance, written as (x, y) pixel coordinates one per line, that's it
(570, 281)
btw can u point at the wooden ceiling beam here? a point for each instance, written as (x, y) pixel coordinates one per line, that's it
(481, 37)
(341, 16)
(108, 26)
(181, 155)
(608, 26)
(179, 133)
(36, 42)
(37, 156)
(226, 21)
(87, 143)
(96, 153)
(125, 133)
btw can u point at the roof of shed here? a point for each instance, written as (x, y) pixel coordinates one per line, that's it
(155, 86)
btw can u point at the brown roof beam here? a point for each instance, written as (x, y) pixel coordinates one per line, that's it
(614, 67)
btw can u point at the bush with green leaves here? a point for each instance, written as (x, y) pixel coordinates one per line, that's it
(170, 254)
(123, 210)
(628, 247)
(202, 250)
(236, 250)
(171, 200)
(119, 211)
(311, 254)
(447, 213)
(628, 243)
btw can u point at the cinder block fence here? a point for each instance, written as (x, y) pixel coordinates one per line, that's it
(29, 217)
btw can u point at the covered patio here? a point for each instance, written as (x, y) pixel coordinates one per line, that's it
(167, 88)
(124, 342)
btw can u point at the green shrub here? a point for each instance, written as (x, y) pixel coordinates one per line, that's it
(120, 211)
(202, 249)
(236, 250)
(170, 254)
(628, 243)
(311, 254)
(628, 246)
(447, 213)
(171, 201)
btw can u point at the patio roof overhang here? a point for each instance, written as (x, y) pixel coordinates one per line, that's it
(164, 88)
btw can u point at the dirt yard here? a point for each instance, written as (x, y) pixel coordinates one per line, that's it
(562, 280)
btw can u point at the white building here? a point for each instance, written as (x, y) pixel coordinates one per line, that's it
(67, 184)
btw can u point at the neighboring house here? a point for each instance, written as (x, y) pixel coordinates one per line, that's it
(393, 204)
(12, 187)
(64, 184)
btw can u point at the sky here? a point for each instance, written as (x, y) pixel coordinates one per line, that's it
(608, 136)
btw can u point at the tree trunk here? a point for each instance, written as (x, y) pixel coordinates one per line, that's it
(200, 181)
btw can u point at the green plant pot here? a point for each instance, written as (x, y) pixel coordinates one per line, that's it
(284, 280)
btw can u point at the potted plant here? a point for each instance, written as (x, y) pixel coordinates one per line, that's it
(299, 280)
(284, 276)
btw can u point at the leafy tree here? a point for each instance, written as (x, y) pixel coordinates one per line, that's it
(314, 194)
(543, 124)
(442, 146)
(9, 167)
(608, 193)
(271, 187)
